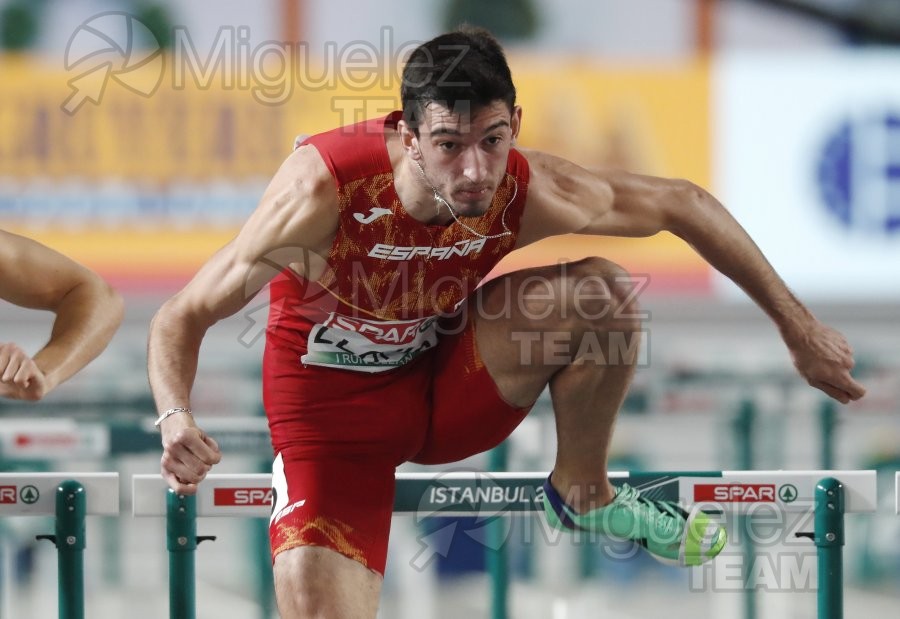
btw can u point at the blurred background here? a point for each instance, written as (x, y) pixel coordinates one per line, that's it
(135, 137)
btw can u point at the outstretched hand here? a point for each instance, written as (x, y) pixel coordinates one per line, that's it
(824, 358)
(188, 454)
(20, 377)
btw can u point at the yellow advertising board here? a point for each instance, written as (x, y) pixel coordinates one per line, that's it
(106, 183)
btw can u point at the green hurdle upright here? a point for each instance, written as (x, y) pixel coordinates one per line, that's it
(470, 493)
(69, 500)
(181, 542)
(496, 558)
(829, 540)
(69, 538)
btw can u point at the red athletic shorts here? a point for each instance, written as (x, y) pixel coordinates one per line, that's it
(339, 435)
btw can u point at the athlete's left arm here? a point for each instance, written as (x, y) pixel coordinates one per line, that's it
(88, 312)
(617, 203)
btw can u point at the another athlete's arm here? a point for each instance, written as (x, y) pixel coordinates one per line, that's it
(615, 203)
(297, 214)
(88, 312)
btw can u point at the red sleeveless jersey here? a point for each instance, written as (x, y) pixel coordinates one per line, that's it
(389, 277)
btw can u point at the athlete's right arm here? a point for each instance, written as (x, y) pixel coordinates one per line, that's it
(297, 216)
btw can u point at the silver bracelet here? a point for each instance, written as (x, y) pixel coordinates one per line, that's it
(170, 412)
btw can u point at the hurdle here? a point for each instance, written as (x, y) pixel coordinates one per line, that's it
(829, 495)
(69, 497)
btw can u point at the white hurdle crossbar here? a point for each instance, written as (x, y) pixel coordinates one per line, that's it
(69, 497)
(34, 494)
(467, 493)
(829, 494)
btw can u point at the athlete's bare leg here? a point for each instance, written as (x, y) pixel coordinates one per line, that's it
(575, 329)
(318, 583)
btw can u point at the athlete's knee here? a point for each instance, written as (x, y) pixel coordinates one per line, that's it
(593, 294)
(601, 295)
(317, 583)
(307, 603)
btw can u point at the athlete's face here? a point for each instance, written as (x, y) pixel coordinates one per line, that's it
(464, 155)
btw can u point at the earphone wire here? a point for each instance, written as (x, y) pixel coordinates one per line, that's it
(439, 199)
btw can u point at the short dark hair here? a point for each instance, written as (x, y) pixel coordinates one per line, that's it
(463, 70)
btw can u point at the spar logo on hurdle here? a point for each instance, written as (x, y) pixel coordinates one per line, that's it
(9, 495)
(246, 497)
(735, 493)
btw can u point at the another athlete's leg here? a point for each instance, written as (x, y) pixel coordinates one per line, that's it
(312, 582)
(562, 326)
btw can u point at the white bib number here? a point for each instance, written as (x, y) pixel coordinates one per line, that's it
(363, 345)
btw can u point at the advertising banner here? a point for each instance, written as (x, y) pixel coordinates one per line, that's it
(143, 167)
(807, 157)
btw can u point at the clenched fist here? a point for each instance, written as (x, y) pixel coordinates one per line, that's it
(20, 377)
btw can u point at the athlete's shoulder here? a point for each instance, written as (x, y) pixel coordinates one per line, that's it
(562, 196)
(301, 194)
(297, 214)
(354, 151)
(558, 175)
(371, 128)
(541, 161)
(305, 171)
